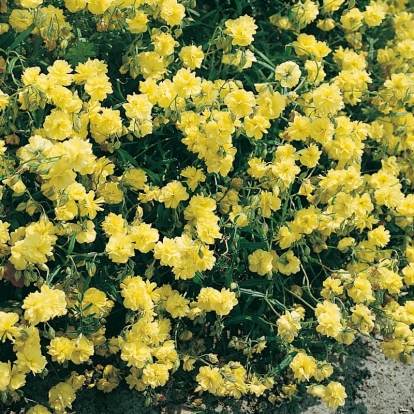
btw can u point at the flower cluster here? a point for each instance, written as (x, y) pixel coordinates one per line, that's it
(168, 193)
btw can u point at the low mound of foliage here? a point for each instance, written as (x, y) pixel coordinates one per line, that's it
(217, 196)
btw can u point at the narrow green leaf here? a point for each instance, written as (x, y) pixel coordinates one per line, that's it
(72, 243)
(252, 245)
(22, 36)
(284, 364)
(125, 156)
(198, 279)
(252, 293)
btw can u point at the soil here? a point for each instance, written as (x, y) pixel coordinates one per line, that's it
(374, 386)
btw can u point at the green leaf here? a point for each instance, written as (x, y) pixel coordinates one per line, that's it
(284, 364)
(72, 243)
(80, 52)
(252, 245)
(125, 156)
(22, 36)
(252, 293)
(198, 279)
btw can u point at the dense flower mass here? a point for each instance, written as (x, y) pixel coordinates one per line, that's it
(203, 190)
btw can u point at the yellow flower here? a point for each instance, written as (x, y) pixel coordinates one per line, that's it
(192, 56)
(151, 65)
(361, 290)
(98, 87)
(144, 237)
(408, 273)
(20, 19)
(241, 30)
(286, 237)
(332, 5)
(177, 305)
(163, 43)
(120, 248)
(58, 125)
(306, 220)
(268, 202)
(30, 358)
(352, 20)
(288, 264)
(172, 12)
(110, 379)
(114, 224)
(305, 45)
(82, 350)
(209, 379)
(155, 375)
(309, 156)
(240, 102)
(4, 28)
(324, 370)
(329, 319)
(38, 409)
(61, 396)
(300, 128)
(270, 104)
(172, 194)
(60, 349)
(288, 325)
(260, 262)
(4, 100)
(194, 177)
(327, 99)
(285, 170)
(363, 318)
(256, 126)
(75, 5)
(331, 288)
(44, 305)
(139, 23)
(95, 302)
(7, 328)
(136, 354)
(138, 106)
(334, 395)
(90, 206)
(99, 6)
(186, 83)
(85, 231)
(326, 24)
(379, 236)
(87, 70)
(188, 363)
(288, 74)
(301, 14)
(345, 243)
(239, 216)
(390, 280)
(316, 74)
(5, 375)
(78, 154)
(60, 73)
(226, 302)
(303, 366)
(133, 290)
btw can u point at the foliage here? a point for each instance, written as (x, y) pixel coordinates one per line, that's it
(221, 188)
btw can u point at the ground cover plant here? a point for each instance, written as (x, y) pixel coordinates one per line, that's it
(211, 194)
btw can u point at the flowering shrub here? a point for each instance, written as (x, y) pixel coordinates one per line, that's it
(220, 188)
